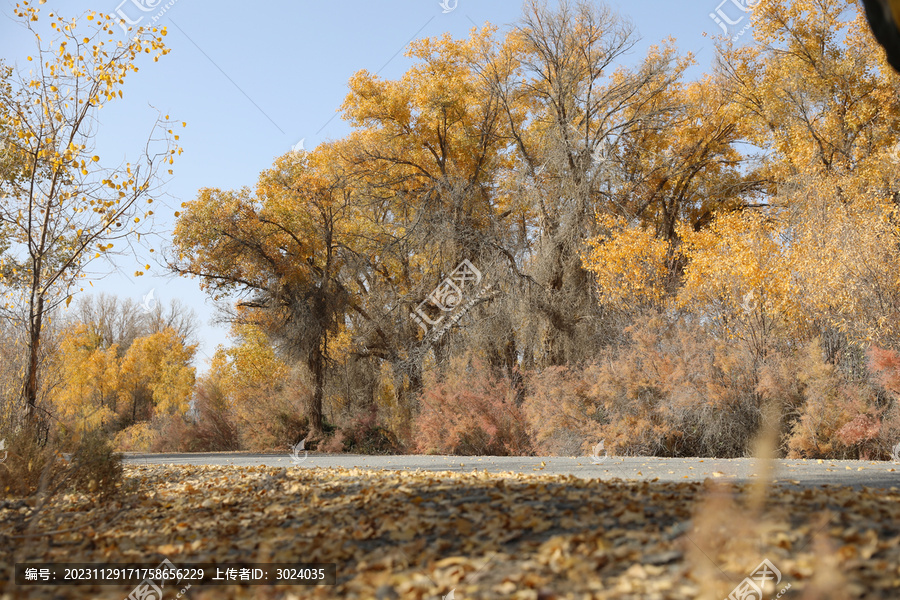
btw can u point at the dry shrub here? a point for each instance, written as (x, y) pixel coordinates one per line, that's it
(671, 390)
(165, 433)
(135, 438)
(32, 467)
(210, 427)
(364, 435)
(471, 411)
(96, 467)
(274, 417)
(214, 426)
(838, 417)
(862, 434)
(334, 444)
(172, 433)
(885, 366)
(27, 462)
(563, 409)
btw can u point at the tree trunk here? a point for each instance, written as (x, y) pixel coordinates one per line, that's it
(30, 392)
(316, 364)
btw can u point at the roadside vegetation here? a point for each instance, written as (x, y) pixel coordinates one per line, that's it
(532, 241)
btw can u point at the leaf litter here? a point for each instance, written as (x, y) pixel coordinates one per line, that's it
(434, 535)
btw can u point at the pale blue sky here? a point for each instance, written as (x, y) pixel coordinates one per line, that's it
(251, 80)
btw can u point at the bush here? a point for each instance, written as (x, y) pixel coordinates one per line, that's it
(364, 435)
(139, 437)
(838, 417)
(171, 433)
(470, 412)
(274, 417)
(31, 467)
(95, 467)
(670, 389)
(563, 409)
(214, 428)
(884, 365)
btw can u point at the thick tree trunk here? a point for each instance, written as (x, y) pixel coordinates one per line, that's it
(314, 410)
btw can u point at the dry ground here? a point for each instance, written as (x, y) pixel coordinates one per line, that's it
(475, 535)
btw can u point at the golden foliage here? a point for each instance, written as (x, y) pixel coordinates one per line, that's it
(630, 264)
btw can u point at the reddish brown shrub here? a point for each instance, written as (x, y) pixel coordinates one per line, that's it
(172, 433)
(885, 366)
(674, 390)
(861, 432)
(838, 417)
(563, 410)
(471, 411)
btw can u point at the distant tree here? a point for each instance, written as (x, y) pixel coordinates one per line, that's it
(120, 321)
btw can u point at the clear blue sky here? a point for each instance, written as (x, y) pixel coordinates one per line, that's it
(251, 80)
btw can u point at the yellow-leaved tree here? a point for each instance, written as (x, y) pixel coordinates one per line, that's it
(156, 378)
(64, 208)
(822, 111)
(248, 381)
(87, 396)
(285, 253)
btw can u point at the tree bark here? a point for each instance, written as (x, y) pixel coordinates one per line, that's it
(35, 321)
(314, 410)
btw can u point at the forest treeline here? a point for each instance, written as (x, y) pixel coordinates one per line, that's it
(533, 241)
